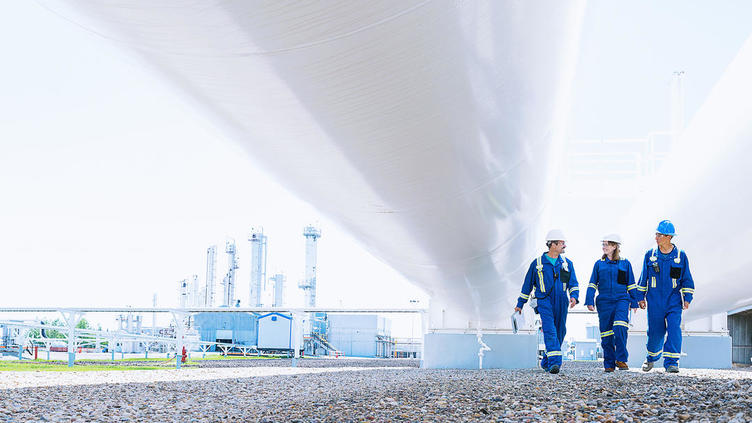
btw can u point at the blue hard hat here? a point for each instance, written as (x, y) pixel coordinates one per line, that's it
(666, 228)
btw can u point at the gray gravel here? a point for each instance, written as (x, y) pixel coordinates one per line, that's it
(282, 362)
(582, 392)
(311, 362)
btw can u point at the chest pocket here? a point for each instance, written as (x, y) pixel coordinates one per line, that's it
(675, 272)
(622, 277)
(565, 275)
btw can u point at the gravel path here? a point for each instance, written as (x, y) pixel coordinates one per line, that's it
(582, 392)
(283, 362)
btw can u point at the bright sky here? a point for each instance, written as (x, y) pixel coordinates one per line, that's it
(112, 188)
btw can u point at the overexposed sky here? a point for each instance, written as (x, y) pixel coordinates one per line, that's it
(111, 188)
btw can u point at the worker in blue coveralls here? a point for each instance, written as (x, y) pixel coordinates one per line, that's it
(617, 291)
(553, 284)
(667, 284)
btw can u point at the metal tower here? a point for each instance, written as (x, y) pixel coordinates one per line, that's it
(194, 299)
(258, 266)
(279, 289)
(228, 298)
(183, 291)
(211, 272)
(308, 285)
(677, 107)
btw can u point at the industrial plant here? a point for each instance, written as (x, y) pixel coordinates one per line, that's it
(526, 181)
(235, 331)
(272, 332)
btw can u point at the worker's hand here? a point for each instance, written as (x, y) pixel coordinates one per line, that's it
(642, 304)
(686, 305)
(518, 310)
(591, 308)
(572, 302)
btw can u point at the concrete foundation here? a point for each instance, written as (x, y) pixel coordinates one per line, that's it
(460, 351)
(698, 351)
(519, 351)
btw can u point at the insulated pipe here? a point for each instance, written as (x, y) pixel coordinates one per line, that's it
(703, 189)
(430, 130)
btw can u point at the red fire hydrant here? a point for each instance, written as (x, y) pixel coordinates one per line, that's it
(184, 356)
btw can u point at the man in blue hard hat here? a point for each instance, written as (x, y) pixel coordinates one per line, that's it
(553, 283)
(667, 284)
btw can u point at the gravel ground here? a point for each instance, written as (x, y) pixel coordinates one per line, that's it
(582, 392)
(283, 362)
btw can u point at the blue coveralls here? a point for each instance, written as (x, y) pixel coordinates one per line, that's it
(553, 301)
(617, 291)
(664, 290)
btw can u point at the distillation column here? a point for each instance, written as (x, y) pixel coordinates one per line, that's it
(183, 292)
(194, 297)
(308, 285)
(228, 282)
(279, 289)
(258, 266)
(211, 271)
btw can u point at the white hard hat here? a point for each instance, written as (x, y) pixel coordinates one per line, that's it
(612, 237)
(555, 235)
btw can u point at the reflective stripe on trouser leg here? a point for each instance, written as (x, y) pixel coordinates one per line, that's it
(550, 338)
(621, 327)
(561, 304)
(656, 332)
(672, 347)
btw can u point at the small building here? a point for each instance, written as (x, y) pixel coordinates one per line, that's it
(593, 332)
(408, 347)
(275, 332)
(229, 328)
(361, 335)
(567, 352)
(740, 330)
(586, 349)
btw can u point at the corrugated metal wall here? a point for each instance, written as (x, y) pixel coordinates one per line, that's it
(357, 334)
(740, 329)
(244, 326)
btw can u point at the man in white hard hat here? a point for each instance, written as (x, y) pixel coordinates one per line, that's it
(553, 283)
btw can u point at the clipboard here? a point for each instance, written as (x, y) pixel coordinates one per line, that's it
(518, 321)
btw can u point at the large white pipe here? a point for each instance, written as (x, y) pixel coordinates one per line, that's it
(427, 129)
(704, 188)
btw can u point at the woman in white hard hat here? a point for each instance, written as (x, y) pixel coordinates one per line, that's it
(614, 279)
